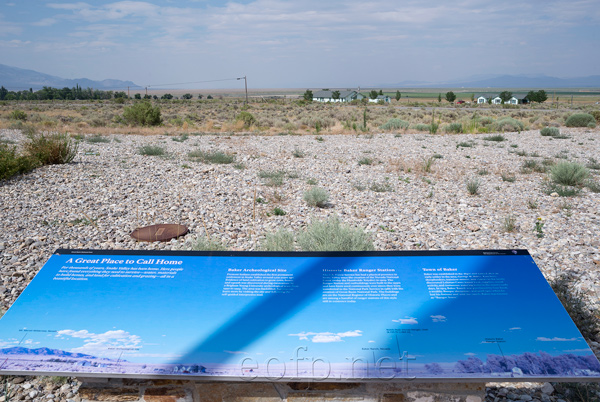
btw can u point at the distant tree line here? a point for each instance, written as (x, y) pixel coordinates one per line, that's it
(66, 93)
(77, 93)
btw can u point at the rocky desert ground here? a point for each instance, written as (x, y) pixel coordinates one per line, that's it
(407, 191)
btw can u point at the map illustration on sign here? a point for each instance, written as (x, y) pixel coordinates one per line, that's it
(356, 316)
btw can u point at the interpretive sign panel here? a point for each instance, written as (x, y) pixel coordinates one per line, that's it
(432, 316)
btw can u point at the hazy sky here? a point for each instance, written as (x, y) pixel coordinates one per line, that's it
(308, 43)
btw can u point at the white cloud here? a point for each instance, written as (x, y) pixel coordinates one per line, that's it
(326, 337)
(470, 354)
(14, 43)
(407, 321)
(107, 343)
(371, 341)
(235, 352)
(438, 318)
(555, 339)
(515, 329)
(46, 22)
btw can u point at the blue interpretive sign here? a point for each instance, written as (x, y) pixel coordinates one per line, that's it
(356, 316)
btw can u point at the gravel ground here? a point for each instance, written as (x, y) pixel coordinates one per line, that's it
(110, 189)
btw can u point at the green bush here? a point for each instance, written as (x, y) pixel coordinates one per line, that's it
(395, 124)
(580, 120)
(151, 150)
(332, 235)
(273, 178)
(569, 174)
(422, 127)
(51, 149)
(18, 115)
(202, 243)
(454, 128)
(11, 163)
(247, 117)
(507, 124)
(596, 114)
(550, 132)
(282, 240)
(365, 161)
(473, 186)
(95, 139)
(316, 197)
(142, 114)
(495, 138)
(381, 186)
(215, 157)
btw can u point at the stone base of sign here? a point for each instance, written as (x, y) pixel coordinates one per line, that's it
(127, 390)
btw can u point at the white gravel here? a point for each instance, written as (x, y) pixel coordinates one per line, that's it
(120, 190)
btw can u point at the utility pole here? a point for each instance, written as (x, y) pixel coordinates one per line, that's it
(246, 86)
(146, 91)
(128, 91)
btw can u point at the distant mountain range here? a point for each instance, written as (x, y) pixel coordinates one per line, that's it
(42, 352)
(505, 81)
(16, 79)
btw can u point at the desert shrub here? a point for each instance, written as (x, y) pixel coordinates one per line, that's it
(580, 120)
(205, 243)
(246, 117)
(531, 165)
(298, 153)
(142, 114)
(272, 178)
(596, 114)
(51, 149)
(593, 186)
(495, 138)
(215, 157)
(95, 139)
(563, 191)
(473, 186)
(18, 115)
(316, 197)
(509, 223)
(508, 124)
(550, 132)
(11, 163)
(332, 235)
(282, 240)
(485, 121)
(593, 164)
(421, 127)
(395, 124)
(454, 128)
(365, 161)
(278, 212)
(569, 174)
(381, 186)
(151, 150)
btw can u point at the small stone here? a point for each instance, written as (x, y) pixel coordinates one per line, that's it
(554, 195)
(547, 388)
(26, 386)
(473, 228)
(33, 394)
(18, 380)
(525, 397)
